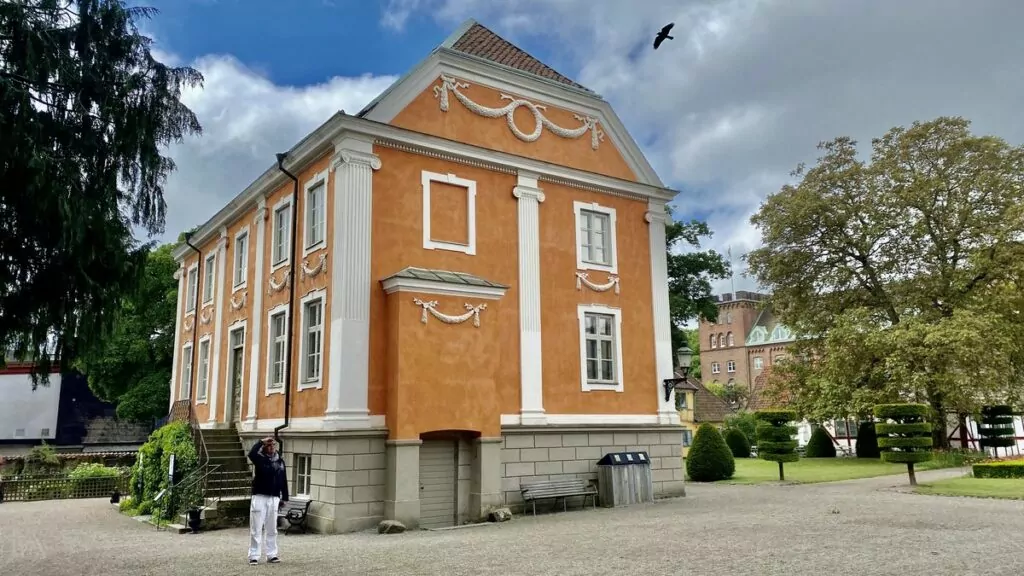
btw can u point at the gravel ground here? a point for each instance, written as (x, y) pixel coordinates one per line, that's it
(858, 527)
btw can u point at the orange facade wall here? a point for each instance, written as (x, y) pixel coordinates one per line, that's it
(424, 114)
(398, 243)
(560, 299)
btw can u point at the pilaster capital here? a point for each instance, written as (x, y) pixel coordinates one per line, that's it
(179, 272)
(656, 216)
(528, 192)
(355, 157)
(260, 215)
(222, 242)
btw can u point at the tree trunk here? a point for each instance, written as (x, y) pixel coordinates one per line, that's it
(910, 472)
(962, 422)
(782, 474)
(940, 437)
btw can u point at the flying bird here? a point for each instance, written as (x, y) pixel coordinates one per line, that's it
(663, 35)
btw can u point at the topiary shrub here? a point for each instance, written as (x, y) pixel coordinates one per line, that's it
(775, 437)
(820, 445)
(709, 458)
(996, 428)
(738, 443)
(867, 441)
(905, 436)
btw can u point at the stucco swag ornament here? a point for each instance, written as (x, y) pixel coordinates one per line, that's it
(206, 315)
(320, 268)
(431, 306)
(275, 286)
(449, 84)
(584, 278)
(237, 305)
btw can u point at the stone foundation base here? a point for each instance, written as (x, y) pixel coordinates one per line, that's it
(533, 455)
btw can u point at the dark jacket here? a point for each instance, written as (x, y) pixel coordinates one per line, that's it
(269, 477)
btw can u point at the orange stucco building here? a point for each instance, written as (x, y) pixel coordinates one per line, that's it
(473, 295)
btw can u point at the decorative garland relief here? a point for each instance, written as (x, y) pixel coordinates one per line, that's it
(431, 306)
(189, 323)
(583, 278)
(206, 315)
(241, 302)
(449, 84)
(275, 286)
(316, 270)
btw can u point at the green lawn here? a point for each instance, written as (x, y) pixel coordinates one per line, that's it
(1009, 488)
(810, 470)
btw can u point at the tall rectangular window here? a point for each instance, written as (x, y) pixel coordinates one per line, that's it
(758, 363)
(600, 331)
(281, 235)
(303, 474)
(313, 329)
(278, 342)
(241, 266)
(316, 222)
(730, 366)
(716, 368)
(595, 237)
(186, 372)
(193, 286)
(208, 277)
(204, 369)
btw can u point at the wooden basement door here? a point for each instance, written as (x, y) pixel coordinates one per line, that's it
(438, 483)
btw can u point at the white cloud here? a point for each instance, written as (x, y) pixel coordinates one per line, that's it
(748, 88)
(397, 13)
(246, 119)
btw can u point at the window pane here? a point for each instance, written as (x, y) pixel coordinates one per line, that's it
(591, 348)
(588, 321)
(607, 369)
(606, 350)
(591, 369)
(606, 325)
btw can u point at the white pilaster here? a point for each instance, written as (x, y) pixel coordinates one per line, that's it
(657, 217)
(218, 318)
(179, 275)
(349, 359)
(256, 289)
(530, 369)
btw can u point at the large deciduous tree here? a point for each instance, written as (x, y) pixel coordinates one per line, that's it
(132, 366)
(903, 271)
(85, 111)
(690, 274)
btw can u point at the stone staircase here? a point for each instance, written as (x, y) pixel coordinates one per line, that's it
(229, 486)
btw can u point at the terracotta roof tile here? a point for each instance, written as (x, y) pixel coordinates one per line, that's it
(707, 407)
(764, 395)
(481, 42)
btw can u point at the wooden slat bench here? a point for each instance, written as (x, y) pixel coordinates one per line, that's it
(296, 512)
(558, 489)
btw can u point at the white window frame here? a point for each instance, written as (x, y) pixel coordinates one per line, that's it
(582, 311)
(210, 277)
(185, 390)
(307, 248)
(716, 368)
(303, 481)
(236, 285)
(314, 295)
(732, 339)
(191, 300)
(613, 246)
(730, 366)
(758, 363)
(714, 341)
(203, 384)
(470, 185)
(287, 201)
(280, 309)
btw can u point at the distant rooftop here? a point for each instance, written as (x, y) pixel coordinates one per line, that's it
(740, 295)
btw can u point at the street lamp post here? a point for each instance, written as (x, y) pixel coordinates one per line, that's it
(684, 357)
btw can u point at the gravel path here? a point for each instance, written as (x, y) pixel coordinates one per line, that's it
(858, 527)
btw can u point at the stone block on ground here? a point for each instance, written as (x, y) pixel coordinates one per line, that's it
(499, 515)
(390, 527)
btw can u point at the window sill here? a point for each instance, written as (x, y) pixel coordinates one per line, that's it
(239, 287)
(609, 268)
(311, 385)
(283, 264)
(201, 401)
(450, 246)
(314, 248)
(602, 387)
(191, 312)
(278, 390)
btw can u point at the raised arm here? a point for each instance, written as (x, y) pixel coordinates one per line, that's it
(254, 452)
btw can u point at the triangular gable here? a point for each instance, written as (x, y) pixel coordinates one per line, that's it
(497, 69)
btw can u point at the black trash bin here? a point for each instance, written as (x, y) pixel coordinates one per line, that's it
(624, 478)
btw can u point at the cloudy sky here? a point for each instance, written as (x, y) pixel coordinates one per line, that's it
(724, 112)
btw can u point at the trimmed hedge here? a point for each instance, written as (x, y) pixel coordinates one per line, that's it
(820, 445)
(709, 458)
(867, 441)
(775, 437)
(996, 428)
(1004, 469)
(908, 440)
(738, 443)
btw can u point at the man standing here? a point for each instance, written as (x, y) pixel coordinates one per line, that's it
(269, 492)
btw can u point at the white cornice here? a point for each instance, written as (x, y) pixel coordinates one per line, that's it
(400, 284)
(320, 142)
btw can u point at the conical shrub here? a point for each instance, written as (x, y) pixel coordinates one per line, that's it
(820, 445)
(709, 458)
(738, 443)
(867, 441)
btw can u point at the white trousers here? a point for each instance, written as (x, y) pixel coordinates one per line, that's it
(263, 516)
